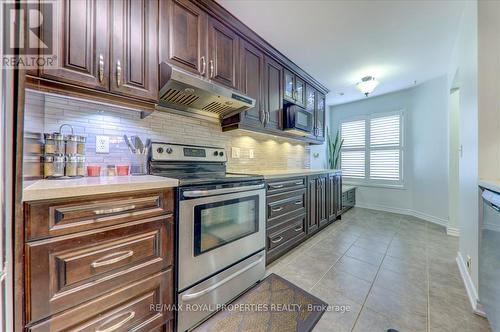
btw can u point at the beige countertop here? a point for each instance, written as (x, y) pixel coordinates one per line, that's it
(50, 189)
(276, 174)
(490, 184)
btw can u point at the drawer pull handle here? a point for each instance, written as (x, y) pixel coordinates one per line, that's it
(129, 317)
(299, 183)
(298, 229)
(298, 203)
(115, 210)
(277, 240)
(100, 69)
(117, 256)
(277, 209)
(278, 186)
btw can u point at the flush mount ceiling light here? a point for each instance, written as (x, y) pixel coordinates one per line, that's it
(367, 85)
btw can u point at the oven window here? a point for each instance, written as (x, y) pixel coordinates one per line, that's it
(219, 223)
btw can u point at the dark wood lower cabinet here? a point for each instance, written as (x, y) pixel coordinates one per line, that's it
(297, 208)
(115, 273)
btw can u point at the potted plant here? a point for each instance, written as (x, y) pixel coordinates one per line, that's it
(333, 150)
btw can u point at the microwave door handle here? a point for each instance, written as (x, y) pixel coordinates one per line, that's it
(204, 193)
(188, 297)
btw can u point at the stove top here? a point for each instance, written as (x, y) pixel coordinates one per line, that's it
(193, 165)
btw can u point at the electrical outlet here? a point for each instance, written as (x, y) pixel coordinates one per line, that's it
(251, 153)
(101, 144)
(469, 262)
(235, 152)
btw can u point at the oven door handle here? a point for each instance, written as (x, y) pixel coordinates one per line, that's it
(188, 297)
(203, 193)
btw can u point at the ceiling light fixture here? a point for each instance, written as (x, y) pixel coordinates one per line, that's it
(367, 85)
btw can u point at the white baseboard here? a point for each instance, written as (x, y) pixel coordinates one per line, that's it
(408, 212)
(452, 231)
(469, 286)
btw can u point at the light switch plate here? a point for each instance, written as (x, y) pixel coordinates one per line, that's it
(235, 152)
(251, 153)
(101, 144)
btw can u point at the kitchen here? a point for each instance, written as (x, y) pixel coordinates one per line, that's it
(178, 163)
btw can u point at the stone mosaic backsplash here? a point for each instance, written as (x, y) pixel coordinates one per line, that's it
(46, 112)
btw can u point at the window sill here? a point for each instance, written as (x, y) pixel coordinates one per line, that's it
(374, 185)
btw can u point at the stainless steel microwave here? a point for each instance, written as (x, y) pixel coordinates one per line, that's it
(297, 120)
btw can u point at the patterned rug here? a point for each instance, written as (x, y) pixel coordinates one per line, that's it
(274, 304)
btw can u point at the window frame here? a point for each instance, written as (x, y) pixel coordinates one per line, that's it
(367, 181)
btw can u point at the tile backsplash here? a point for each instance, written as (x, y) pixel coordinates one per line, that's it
(46, 112)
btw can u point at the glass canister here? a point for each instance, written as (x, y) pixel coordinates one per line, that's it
(53, 166)
(80, 168)
(81, 145)
(59, 143)
(50, 144)
(72, 144)
(71, 166)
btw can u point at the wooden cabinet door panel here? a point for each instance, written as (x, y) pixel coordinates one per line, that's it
(300, 92)
(83, 43)
(223, 54)
(322, 202)
(183, 35)
(134, 55)
(289, 86)
(312, 193)
(251, 82)
(273, 93)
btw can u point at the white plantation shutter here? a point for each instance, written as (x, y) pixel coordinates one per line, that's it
(352, 156)
(373, 149)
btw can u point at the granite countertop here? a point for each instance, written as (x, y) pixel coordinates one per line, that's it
(276, 174)
(50, 189)
(490, 184)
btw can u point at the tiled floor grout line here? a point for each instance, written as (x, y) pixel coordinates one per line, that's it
(371, 285)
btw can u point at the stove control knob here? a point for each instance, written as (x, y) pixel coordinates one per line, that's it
(159, 150)
(169, 150)
(216, 153)
(221, 154)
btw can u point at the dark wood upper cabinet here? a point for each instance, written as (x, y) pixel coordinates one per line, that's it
(320, 116)
(273, 93)
(134, 54)
(251, 82)
(183, 35)
(83, 45)
(223, 54)
(310, 98)
(294, 89)
(300, 92)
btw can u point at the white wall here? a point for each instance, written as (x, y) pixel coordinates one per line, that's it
(425, 166)
(454, 159)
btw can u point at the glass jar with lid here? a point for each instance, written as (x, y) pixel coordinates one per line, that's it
(59, 143)
(80, 168)
(53, 166)
(72, 144)
(81, 145)
(71, 166)
(50, 144)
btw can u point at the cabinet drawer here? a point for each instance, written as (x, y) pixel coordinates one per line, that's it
(59, 217)
(285, 206)
(127, 308)
(285, 184)
(68, 270)
(281, 236)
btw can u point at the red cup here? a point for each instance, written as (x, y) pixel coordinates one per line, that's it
(122, 170)
(93, 170)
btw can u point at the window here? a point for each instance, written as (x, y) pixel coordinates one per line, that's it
(373, 149)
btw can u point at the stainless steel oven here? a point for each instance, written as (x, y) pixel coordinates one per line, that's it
(221, 246)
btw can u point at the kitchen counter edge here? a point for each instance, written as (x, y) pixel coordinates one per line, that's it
(270, 175)
(492, 185)
(53, 189)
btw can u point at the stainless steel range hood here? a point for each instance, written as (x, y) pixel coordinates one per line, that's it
(198, 96)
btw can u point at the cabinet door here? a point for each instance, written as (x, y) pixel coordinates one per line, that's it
(312, 192)
(320, 115)
(273, 94)
(338, 202)
(300, 92)
(310, 99)
(183, 35)
(223, 54)
(289, 86)
(332, 197)
(322, 202)
(252, 81)
(134, 56)
(83, 34)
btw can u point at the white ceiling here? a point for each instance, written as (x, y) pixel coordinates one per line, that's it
(339, 42)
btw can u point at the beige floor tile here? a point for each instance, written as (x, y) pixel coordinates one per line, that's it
(365, 255)
(357, 268)
(348, 285)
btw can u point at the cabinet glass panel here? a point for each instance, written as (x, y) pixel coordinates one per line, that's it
(300, 87)
(288, 85)
(310, 99)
